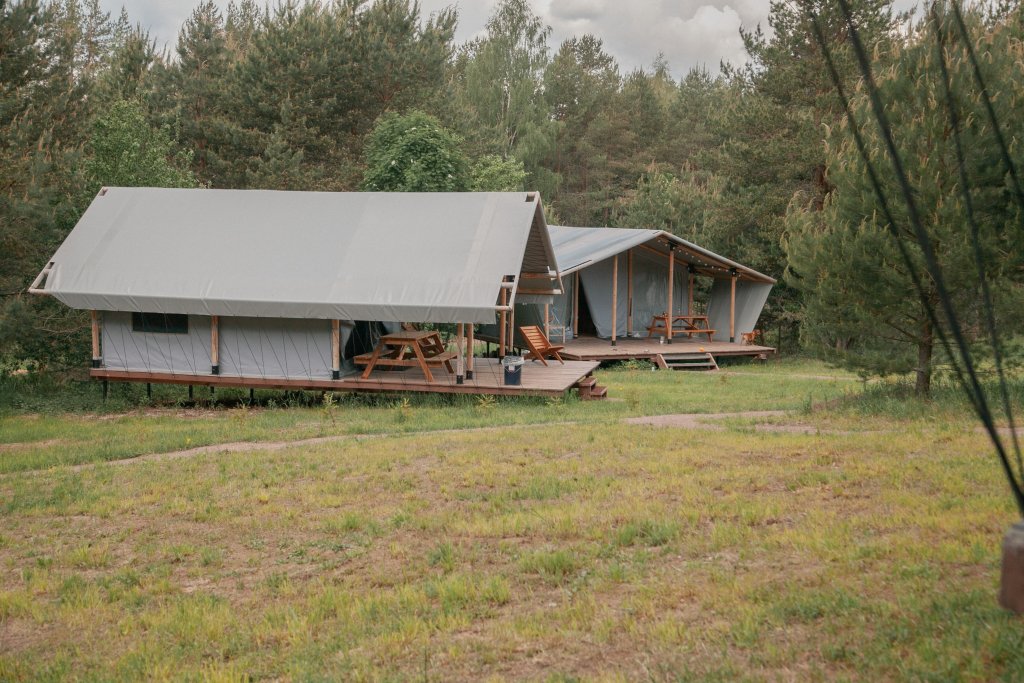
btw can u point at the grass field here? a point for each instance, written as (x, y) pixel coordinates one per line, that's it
(553, 543)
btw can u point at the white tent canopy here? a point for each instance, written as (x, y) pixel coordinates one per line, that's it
(412, 257)
(578, 248)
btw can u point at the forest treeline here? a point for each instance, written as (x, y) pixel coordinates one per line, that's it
(753, 161)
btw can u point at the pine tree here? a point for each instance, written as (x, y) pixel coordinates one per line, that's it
(860, 301)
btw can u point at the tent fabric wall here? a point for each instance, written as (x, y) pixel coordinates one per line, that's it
(275, 347)
(125, 349)
(650, 286)
(249, 347)
(750, 300)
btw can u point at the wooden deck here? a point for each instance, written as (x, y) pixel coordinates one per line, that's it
(537, 380)
(647, 348)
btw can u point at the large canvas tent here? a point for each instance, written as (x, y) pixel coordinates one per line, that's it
(630, 267)
(259, 283)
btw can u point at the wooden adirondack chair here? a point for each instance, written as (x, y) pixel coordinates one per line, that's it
(540, 347)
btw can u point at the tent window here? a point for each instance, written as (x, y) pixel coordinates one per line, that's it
(164, 323)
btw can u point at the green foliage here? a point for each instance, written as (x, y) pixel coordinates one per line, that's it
(859, 299)
(491, 173)
(414, 153)
(502, 89)
(125, 151)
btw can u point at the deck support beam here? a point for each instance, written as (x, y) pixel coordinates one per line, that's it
(97, 358)
(214, 344)
(335, 349)
(671, 290)
(615, 298)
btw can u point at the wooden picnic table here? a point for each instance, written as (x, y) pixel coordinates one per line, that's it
(681, 324)
(408, 348)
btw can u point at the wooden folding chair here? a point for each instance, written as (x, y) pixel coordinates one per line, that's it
(540, 347)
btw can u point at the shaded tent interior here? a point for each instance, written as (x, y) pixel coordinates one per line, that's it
(267, 284)
(616, 280)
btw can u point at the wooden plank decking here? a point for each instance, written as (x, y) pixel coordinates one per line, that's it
(593, 348)
(537, 380)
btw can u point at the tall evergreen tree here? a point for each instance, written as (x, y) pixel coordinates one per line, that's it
(860, 300)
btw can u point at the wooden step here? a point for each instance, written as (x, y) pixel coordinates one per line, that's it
(687, 361)
(590, 390)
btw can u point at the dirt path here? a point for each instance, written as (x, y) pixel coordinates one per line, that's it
(698, 421)
(712, 422)
(703, 421)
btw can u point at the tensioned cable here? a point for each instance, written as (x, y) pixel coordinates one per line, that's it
(990, 320)
(924, 241)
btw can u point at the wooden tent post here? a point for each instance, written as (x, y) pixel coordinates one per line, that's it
(689, 291)
(629, 293)
(671, 287)
(512, 329)
(732, 307)
(502, 324)
(97, 359)
(460, 333)
(335, 349)
(576, 305)
(471, 350)
(214, 345)
(615, 297)
(547, 320)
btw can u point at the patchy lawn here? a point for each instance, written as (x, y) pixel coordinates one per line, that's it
(595, 550)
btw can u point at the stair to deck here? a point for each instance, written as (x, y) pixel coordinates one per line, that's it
(590, 390)
(686, 361)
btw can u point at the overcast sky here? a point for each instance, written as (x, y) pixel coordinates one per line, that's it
(687, 32)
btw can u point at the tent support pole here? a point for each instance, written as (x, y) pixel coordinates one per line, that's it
(503, 323)
(97, 359)
(671, 287)
(689, 293)
(629, 293)
(470, 350)
(576, 305)
(214, 345)
(512, 329)
(732, 308)
(615, 298)
(460, 334)
(547, 320)
(335, 349)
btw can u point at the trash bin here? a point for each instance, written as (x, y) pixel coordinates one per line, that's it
(513, 366)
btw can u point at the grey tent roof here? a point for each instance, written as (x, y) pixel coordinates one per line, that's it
(414, 257)
(577, 248)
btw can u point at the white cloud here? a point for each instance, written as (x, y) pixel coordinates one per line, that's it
(687, 32)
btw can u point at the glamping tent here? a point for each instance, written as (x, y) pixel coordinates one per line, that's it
(266, 284)
(616, 280)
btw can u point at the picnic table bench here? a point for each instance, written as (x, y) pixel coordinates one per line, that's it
(408, 348)
(681, 324)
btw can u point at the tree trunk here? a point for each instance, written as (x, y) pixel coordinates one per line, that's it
(923, 385)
